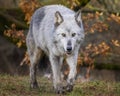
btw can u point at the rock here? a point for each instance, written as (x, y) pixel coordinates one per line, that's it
(10, 58)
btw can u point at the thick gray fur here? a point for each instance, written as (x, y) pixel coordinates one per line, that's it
(58, 32)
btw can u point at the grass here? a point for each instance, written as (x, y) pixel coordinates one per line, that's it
(19, 86)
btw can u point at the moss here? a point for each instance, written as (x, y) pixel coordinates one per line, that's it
(19, 86)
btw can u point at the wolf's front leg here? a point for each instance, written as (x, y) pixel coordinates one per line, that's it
(72, 62)
(56, 67)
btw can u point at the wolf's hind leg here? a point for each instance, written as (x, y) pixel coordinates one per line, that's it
(34, 56)
(34, 59)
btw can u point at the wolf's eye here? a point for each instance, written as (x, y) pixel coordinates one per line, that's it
(73, 34)
(63, 34)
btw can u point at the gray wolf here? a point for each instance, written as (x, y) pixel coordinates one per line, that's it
(58, 32)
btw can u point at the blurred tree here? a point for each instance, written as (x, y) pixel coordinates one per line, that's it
(112, 6)
(80, 4)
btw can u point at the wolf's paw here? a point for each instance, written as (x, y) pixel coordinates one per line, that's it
(34, 85)
(60, 90)
(69, 88)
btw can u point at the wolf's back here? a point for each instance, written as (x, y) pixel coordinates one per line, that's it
(45, 15)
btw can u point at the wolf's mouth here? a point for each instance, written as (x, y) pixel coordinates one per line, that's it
(68, 53)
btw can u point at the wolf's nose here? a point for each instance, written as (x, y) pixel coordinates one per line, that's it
(69, 49)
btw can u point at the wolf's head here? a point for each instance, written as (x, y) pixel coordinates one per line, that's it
(69, 32)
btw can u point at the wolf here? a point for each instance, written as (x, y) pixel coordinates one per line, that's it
(58, 32)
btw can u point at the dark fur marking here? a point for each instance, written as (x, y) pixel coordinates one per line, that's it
(37, 17)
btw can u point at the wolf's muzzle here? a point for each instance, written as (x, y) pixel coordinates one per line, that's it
(69, 50)
(69, 47)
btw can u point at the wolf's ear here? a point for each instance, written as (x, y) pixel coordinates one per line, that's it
(58, 18)
(78, 17)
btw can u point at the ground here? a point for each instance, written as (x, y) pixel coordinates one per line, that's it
(19, 86)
